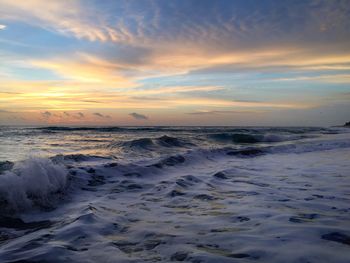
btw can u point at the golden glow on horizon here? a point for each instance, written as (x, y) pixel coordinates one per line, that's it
(118, 100)
(105, 62)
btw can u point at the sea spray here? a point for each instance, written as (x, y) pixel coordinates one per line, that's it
(31, 182)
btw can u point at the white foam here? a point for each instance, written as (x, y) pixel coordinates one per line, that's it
(31, 181)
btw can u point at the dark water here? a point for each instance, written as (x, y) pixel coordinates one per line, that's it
(161, 194)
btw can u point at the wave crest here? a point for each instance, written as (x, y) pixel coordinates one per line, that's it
(153, 143)
(32, 182)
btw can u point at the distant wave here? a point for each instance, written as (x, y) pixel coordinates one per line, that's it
(114, 129)
(143, 143)
(204, 129)
(314, 146)
(153, 143)
(62, 128)
(304, 147)
(253, 138)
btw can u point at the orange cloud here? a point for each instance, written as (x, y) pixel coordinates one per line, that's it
(87, 69)
(336, 78)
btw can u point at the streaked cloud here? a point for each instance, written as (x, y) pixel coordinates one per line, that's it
(215, 112)
(336, 78)
(46, 114)
(151, 22)
(6, 111)
(63, 17)
(86, 69)
(135, 99)
(138, 116)
(79, 115)
(166, 57)
(100, 115)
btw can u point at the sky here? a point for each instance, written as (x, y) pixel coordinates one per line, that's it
(176, 62)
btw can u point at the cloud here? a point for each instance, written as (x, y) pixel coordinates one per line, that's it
(105, 69)
(63, 98)
(7, 112)
(80, 115)
(46, 114)
(335, 78)
(160, 55)
(100, 115)
(152, 43)
(214, 112)
(2, 27)
(64, 17)
(91, 101)
(86, 69)
(209, 32)
(73, 115)
(173, 90)
(225, 23)
(138, 116)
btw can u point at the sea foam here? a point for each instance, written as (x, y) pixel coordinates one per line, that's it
(31, 182)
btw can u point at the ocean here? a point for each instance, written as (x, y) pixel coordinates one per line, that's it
(162, 194)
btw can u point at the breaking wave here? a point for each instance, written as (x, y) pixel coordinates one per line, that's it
(33, 182)
(41, 182)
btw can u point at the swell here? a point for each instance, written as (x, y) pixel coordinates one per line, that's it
(253, 138)
(63, 128)
(202, 154)
(197, 129)
(153, 143)
(42, 183)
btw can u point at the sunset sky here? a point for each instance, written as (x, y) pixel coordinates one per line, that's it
(185, 62)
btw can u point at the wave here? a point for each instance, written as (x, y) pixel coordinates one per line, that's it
(41, 183)
(201, 155)
(236, 137)
(169, 161)
(168, 141)
(63, 128)
(6, 165)
(143, 143)
(76, 157)
(153, 143)
(314, 146)
(254, 138)
(247, 152)
(290, 148)
(200, 129)
(32, 182)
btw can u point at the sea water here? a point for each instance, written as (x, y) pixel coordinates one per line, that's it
(162, 194)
